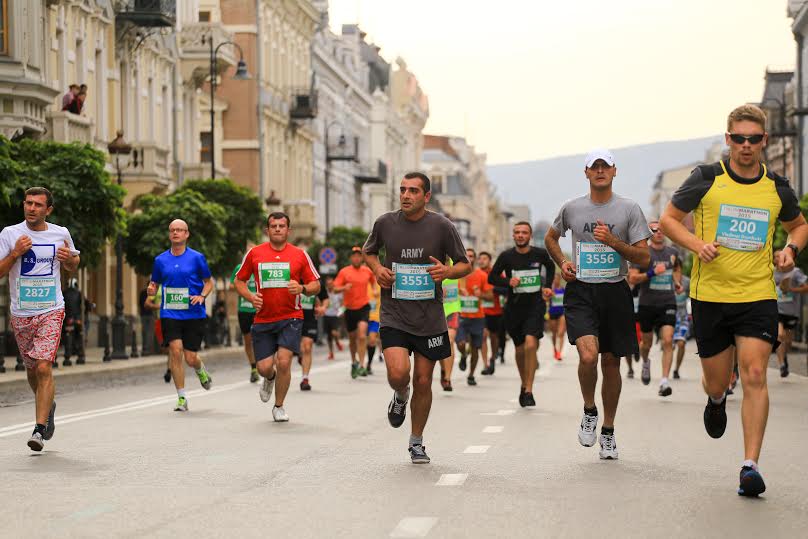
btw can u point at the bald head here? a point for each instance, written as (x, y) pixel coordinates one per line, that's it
(178, 233)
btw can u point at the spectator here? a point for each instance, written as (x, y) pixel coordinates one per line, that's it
(70, 96)
(78, 103)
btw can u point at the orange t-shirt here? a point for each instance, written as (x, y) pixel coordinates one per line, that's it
(477, 278)
(496, 310)
(355, 297)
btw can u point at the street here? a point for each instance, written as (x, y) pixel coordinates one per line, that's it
(123, 464)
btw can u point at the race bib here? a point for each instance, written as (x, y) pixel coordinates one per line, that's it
(529, 281)
(596, 261)
(741, 228)
(307, 302)
(488, 304)
(469, 304)
(450, 292)
(557, 300)
(662, 282)
(274, 274)
(412, 282)
(36, 293)
(245, 304)
(176, 299)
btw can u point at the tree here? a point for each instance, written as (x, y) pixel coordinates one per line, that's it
(341, 238)
(86, 201)
(148, 228)
(780, 236)
(244, 218)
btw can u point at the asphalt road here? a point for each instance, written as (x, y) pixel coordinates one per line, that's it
(123, 464)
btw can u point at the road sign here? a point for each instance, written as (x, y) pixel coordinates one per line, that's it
(328, 255)
(328, 269)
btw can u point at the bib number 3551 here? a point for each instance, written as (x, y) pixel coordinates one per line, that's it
(412, 282)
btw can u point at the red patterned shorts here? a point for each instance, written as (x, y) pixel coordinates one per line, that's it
(38, 336)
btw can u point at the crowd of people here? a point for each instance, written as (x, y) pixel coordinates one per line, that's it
(419, 293)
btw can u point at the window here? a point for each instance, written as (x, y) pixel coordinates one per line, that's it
(205, 142)
(3, 26)
(204, 16)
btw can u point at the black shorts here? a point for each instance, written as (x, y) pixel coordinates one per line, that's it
(556, 315)
(653, 317)
(604, 310)
(788, 321)
(190, 332)
(310, 329)
(330, 323)
(493, 323)
(521, 323)
(354, 316)
(245, 322)
(432, 347)
(267, 338)
(715, 325)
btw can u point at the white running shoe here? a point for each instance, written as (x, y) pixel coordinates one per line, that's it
(265, 391)
(279, 414)
(587, 434)
(608, 447)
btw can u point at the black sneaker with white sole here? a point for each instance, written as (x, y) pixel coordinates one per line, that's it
(418, 454)
(715, 418)
(396, 412)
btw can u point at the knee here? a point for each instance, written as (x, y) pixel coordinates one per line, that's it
(422, 381)
(305, 347)
(283, 364)
(753, 377)
(398, 377)
(667, 343)
(589, 359)
(43, 370)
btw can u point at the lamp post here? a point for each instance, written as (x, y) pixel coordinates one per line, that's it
(241, 74)
(341, 156)
(781, 131)
(119, 147)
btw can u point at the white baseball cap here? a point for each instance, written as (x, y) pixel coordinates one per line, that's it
(599, 153)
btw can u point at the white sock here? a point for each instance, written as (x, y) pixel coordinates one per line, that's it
(181, 392)
(751, 463)
(305, 376)
(717, 401)
(404, 396)
(663, 382)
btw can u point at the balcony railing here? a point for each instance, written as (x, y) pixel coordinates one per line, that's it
(195, 50)
(147, 13)
(371, 174)
(67, 127)
(304, 104)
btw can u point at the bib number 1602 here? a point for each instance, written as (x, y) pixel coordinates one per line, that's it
(599, 258)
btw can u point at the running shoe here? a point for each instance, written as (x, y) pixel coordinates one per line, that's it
(529, 400)
(51, 424)
(35, 441)
(522, 401)
(586, 432)
(665, 390)
(204, 377)
(182, 405)
(330, 356)
(354, 370)
(462, 364)
(362, 371)
(715, 418)
(254, 375)
(502, 358)
(446, 384)
(396, 412)
(418, 454)
(67, 362)
(636, 357)
(486, 371)
(304, 385)
(492, 365)
(265, 392)
(81, 360)
(676, 375)
(279, 414)
(369, 369)
(339, 346)
(630, 373)
(784, 369)
(608, 446)
(646, 372)
(471, 381)
(752, 484)
(167, 376)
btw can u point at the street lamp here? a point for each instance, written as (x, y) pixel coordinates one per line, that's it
(241, 74)
(119, 147)
(341, 156)
(781, 131)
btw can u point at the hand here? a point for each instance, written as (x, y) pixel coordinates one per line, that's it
(63, 253)
(709, 252)
(197, 300)
(319, 311)
(347, 287)
(568, 271)
(294, 287)
(22, 246)
(475, 291)
(603, 234)
(785, 262)
(547, 293)
(384, 276)
(439, 271)
(257, 301)
(678, 287)
(152, 288)
(514, 282)
(660, 268)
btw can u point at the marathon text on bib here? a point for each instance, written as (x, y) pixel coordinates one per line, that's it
(412, 282)
(741, 228)
(529, 281)
(36, 292)
(176, 299)
(596, 261)
(450, 292)
(663, 281)
(469, 304)
(307, 302)
(274, 274)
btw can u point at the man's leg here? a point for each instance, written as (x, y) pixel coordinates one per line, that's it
(352, 345)
(361, 336)
(448, 363)
(283, 379)
(561, 333)
(753, 359)
(493, 337)
(680, 353)
(666, 336)
(646, 342)
(717, 373)
(421, 393)
(192, 359)
(43, 372)
(588, 368)
(306, 345)
(248, 349)
(554, 332)
(484, 347)
(611, 387)
(175, 363)
(397, 362)
(519, 355)
(530, 360)
(474, 357)
(266, 367)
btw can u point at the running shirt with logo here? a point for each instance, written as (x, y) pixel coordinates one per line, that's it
(416, 307)
(34, 279)
(535, 270)
(740, 214)
(557, 302)
(471, 305)
(273, 270)
(182, 277)
(594, 261)
(451, 296)
(359, 278)
(659, 290)
(787, 302)
(245, 306)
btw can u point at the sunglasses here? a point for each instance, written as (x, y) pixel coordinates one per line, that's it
(653, 230)
(740, 139)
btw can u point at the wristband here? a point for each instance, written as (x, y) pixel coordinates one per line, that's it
(794, 249)
(650, 273)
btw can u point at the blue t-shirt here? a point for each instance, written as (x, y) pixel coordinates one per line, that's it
(182, 277)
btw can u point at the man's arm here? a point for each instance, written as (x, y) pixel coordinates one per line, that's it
(636, 276)
(672, 226)
(312, 288)
(495, 277)
(383, 275)
(206, 290)
(554, 249)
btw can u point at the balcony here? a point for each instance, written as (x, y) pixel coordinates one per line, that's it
(194, 49)
(304, 104)
(147, 13)
(371, 174)
(194, 171)
(67, 127)
(149, 166)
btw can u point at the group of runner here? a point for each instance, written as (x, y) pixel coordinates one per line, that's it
(427, 294)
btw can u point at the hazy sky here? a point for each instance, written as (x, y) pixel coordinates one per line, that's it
(526, 79)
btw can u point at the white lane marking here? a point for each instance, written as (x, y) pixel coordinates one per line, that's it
(514, 401)
(414, 527)
(499, 412)
(476, 449)
(493, 429)
(452, 479)
(137, 405)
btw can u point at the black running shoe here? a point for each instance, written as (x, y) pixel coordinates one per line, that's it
(492, 366)
(396, 412)
(471, 381)
(304, 385)
(715, 418)
(752, 484)
(784, 369)
(51, 424)
(522, 394)
(502, 358)
(529, 400)
(486, 371)
(167, 376)
(462, 364)
(676, 375)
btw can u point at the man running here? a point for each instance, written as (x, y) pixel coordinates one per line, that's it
(451, 309)
(416, 241)
(333, 311)
(33, 253)
(789, 285)
(528, 272)
(492, 308)
(246, 315)
(282, 274)
(313, 308)
(353, 281)
(681, 333)
(473, 289)
(736, 204)
(558, 324)
(608, 231)
(658, 284)
(186, 282)
(375, 295)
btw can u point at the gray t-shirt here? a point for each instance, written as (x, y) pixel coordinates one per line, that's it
(681, 299)
(788, 303)
(594, 261)
(659, 289)
(409, 244)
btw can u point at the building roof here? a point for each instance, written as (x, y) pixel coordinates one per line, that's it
(437, 142)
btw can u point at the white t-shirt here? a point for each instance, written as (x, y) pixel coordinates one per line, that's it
(34, 278)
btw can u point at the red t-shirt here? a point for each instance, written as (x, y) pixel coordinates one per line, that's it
(355, 297)
(477, 278)
(496, 310)
(273, 270)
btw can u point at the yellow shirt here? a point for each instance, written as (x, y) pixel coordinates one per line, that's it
(374, 294)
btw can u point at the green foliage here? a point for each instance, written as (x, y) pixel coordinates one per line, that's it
(86, 201)
(780, 235)
(244, 218)
(687, 261)
(148, 229)
(342, 239)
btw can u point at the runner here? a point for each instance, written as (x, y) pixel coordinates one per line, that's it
(246, 314)
(33, 253)
(415, 241)
(527, 268)
(333, 311)
(313, 308)
(473, 290)
(736, 203)
(353, 282)
(492, 309)
(681, 333)
(789, 285)
(608, 231)
(451, 309)
(558, 324)
(186, 281)
(282, 272)
(375, 295)
(658, 283)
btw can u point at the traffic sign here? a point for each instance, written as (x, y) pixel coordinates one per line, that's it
(328, 255)
(328, 269)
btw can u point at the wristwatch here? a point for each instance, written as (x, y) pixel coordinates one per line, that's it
(794, 249)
